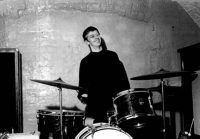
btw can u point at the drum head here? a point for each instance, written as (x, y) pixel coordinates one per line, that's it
(130, 91)
(64, 112)
(122, 93)
(22, 136)
(103, 131)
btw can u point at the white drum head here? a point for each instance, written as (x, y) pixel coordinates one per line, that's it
(103, 131)
(23, 136)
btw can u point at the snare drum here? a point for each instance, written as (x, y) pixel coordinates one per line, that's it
(134, 105)
(103, 131)
(49, 123)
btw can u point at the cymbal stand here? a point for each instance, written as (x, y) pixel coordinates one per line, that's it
(163, 108)
(61, 112)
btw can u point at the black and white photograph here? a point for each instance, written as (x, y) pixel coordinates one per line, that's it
(99, 69)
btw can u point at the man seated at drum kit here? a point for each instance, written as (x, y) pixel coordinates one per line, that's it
(103, 75)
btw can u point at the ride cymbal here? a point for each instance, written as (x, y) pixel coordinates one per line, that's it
(162, 74)
(58, 83)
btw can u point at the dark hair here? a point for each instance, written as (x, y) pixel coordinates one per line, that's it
(103, 44)
(87, 30)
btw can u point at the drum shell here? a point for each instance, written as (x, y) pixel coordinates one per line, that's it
(49, 123)
(133, 104)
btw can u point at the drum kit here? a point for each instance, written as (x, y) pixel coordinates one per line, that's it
(133, 109)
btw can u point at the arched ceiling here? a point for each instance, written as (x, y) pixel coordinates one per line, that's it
(135, 9)
(192, 7)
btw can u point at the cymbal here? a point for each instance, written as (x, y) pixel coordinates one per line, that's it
(162, 74)
(58, 83)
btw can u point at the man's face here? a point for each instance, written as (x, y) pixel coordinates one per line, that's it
(94, 38)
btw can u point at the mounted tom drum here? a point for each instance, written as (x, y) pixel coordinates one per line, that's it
(133, 106)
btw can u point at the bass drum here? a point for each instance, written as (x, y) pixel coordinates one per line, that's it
(102, 131)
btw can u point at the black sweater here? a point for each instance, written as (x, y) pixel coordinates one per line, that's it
(103, 75)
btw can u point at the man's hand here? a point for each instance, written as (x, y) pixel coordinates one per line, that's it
(89, 122)
(83, 98)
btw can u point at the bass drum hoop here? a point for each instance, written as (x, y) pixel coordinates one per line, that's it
(86, 132)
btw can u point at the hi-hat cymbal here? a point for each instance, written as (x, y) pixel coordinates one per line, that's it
(58, 83)
(162, 74)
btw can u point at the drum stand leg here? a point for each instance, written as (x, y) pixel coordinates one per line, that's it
(61, 112)
(163, 110)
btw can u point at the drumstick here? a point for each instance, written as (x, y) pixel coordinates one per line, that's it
(189, 134)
